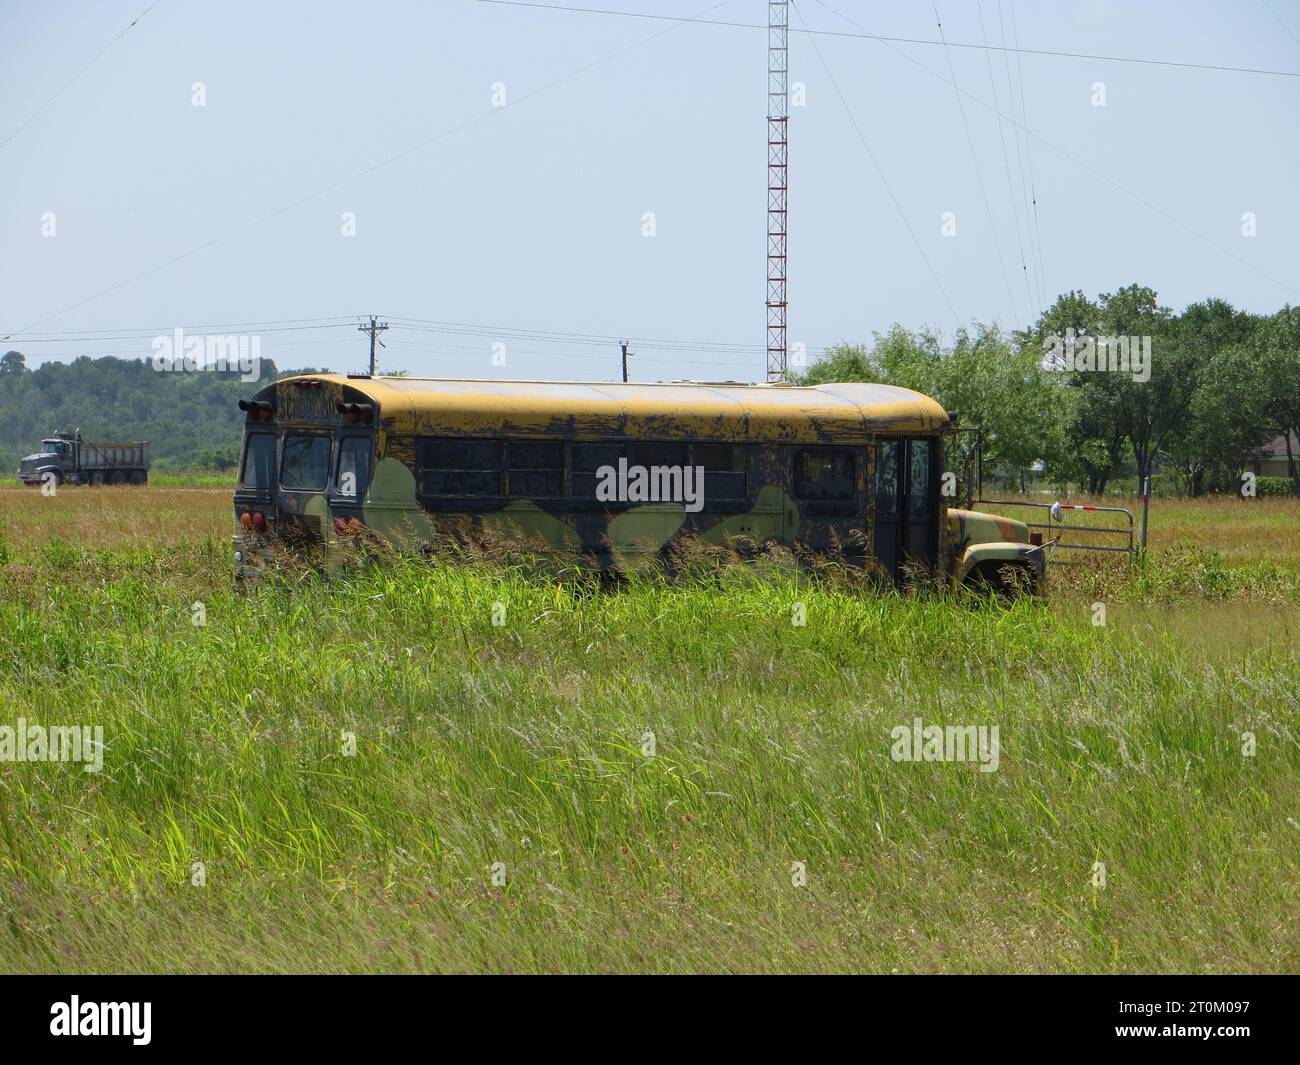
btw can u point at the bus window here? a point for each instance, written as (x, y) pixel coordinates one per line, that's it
(354, 459)
(587, 459)
(259, 461)
(887, 477)
(535, 468)
(824, 475)
(659, 454)
(306, 463)
(918, 483)
(452, 467)
(724, 470)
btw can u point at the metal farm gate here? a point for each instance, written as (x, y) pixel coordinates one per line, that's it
(1056, 525)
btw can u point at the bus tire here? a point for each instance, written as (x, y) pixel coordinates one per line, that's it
(1006, 580)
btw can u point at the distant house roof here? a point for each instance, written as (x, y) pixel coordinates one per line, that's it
(1277, 448)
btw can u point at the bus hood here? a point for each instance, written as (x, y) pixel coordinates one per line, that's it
(974, 527)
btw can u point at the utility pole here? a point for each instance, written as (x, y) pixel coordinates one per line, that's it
(374, 329)
(626, 353)
(778, 117)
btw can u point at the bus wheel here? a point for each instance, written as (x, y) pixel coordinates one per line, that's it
(1006, 580)
(138, 477)
(118, 477)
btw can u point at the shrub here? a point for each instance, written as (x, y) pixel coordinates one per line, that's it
(1274, 486)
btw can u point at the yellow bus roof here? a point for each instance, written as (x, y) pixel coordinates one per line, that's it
(840, 412)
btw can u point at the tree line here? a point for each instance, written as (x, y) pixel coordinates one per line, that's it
(1048, 402)
(1056, 402)
(192, 420)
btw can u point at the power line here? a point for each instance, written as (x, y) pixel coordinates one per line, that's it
(364, 172)
(1022, 202)
(1082, 164)
(1029, 156)
(78, 74)
(746, 365)
(881, 174)
(1006, 162)
(979, 175)
(688, 359)
(602, 340)
(902, 40)
(1280, 22)
(114, 336)
(739, 354)
(410, 324)
(144, 330)
(136, 353)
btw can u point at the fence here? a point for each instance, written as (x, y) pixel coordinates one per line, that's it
(1055, 525)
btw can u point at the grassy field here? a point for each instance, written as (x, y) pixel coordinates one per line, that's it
(667, 778)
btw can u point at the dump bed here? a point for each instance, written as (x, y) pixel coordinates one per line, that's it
(114, 456)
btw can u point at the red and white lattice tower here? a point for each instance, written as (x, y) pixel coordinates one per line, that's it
(778, 117)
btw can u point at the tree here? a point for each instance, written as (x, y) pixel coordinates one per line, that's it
(183, 415)
(1278, 351)
(1139, 404)
(1094, 434)
(1148, 410)
(1225, 423)
(996, 386)
(12, 362)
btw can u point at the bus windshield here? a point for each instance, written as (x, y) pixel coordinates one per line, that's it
(306, 462)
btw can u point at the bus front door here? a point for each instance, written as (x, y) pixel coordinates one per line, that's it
(906, 530)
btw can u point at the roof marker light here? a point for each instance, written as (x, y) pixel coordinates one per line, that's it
(355, 413)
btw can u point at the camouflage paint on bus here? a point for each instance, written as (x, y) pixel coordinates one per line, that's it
(769, 419)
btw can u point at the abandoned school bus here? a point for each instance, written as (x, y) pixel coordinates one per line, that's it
(614, 473)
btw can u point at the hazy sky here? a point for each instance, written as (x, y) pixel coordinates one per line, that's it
(525, 219)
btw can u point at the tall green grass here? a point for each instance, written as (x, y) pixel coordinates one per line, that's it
(524, 744)
(192, 478)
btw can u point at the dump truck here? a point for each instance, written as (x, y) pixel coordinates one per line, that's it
(65, 458)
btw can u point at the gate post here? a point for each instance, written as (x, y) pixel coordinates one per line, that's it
(1146, 503)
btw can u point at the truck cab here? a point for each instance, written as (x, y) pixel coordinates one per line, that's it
(56, 457)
